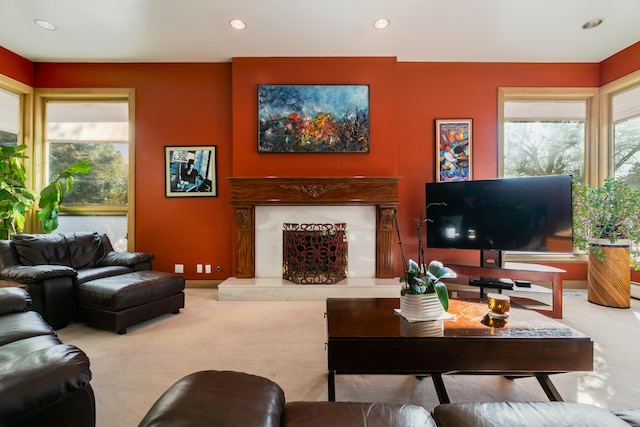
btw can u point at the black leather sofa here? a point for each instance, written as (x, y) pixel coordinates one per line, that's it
(226, 398)
(43, 382)
(78, 276)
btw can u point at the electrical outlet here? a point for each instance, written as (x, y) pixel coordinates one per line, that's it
(199, 268)
(179, 268)
(207, 268)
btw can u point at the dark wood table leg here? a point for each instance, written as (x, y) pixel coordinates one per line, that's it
(443, 397)
(550, 390)
(331, 385)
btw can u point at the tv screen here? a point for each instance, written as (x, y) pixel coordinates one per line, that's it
(527, 214)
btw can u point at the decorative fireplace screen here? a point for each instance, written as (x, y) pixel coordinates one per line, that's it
(314, 253)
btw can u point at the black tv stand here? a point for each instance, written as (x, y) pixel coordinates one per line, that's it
(491, 258)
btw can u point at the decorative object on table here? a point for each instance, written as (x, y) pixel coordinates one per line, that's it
(16, 199)
(499, 305)
(606, 223)
(423, 295)
(454, 139)
(313, 118)
(190, 171)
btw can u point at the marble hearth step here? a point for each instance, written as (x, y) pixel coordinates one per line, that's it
(276, 289)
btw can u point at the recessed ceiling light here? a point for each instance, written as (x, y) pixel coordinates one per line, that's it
(381, 23)
(45, 24)
(238, 24)
(592, 24)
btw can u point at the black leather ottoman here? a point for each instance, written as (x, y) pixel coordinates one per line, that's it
(117, 302)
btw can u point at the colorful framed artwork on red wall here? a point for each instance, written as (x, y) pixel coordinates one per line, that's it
(454, 144)
(190, 171)
(313, 118)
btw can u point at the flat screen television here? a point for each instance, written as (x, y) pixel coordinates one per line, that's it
(526, 214)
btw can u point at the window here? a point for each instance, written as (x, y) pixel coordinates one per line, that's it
(10, 117)
(95, 128)
(547, 131)
(544, 138)
(625, 124)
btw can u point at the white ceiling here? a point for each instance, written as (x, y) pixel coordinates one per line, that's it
(421, 30)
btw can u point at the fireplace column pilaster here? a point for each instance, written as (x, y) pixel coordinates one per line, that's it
(385, 229)
(245, 241)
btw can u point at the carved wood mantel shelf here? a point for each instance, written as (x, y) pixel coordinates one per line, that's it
(247, 193)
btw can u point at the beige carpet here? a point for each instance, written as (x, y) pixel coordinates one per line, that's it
(285, 341)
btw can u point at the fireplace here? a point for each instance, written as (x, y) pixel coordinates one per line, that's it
(381, 194)
(314, 253)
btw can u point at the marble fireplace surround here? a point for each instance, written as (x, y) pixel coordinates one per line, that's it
(247, 193)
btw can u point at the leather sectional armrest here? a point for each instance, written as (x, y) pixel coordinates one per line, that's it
(39, 379)
(14, 300)
(125, 259)
(36, 273)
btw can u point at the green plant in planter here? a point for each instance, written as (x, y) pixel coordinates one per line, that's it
(611, 213)
(418, 278)
(16, 199)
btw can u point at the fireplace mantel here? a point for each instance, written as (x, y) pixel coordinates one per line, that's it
(247, 193)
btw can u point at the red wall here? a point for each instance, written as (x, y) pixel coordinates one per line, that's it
(176, 104)
(378, 73)
(620, 64)
(202, 104)
(16, 67)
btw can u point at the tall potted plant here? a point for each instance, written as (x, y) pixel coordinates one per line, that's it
(423, 294)
(606, 223)
(16, 199)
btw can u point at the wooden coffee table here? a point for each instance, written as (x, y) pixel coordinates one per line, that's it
(367, 337)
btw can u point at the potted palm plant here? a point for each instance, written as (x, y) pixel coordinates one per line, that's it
(423, 294)
(606, 223)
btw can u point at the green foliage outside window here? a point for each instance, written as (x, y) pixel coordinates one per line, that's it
(627, 151)
(544, 148)
(106, 184)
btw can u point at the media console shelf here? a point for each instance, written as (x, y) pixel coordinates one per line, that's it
(521, 271)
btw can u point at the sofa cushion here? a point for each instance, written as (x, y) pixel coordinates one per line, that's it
(221, 398)
(53, 373)
(85, 249)
(19, 326)
(36, 249)
(14, 300)
(352, 414)
(20, 348)
(515, 414)
(8, 254)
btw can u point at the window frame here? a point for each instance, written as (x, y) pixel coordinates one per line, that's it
(606, 130)
(42, 96)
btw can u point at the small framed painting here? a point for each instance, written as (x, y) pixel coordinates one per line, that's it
(454, 140)
(313, 119)
(190, 171)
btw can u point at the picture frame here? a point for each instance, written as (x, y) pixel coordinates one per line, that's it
(454, 149)
(313, 118)
(190, 171)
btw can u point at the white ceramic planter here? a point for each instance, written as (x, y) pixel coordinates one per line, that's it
(421, 307)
